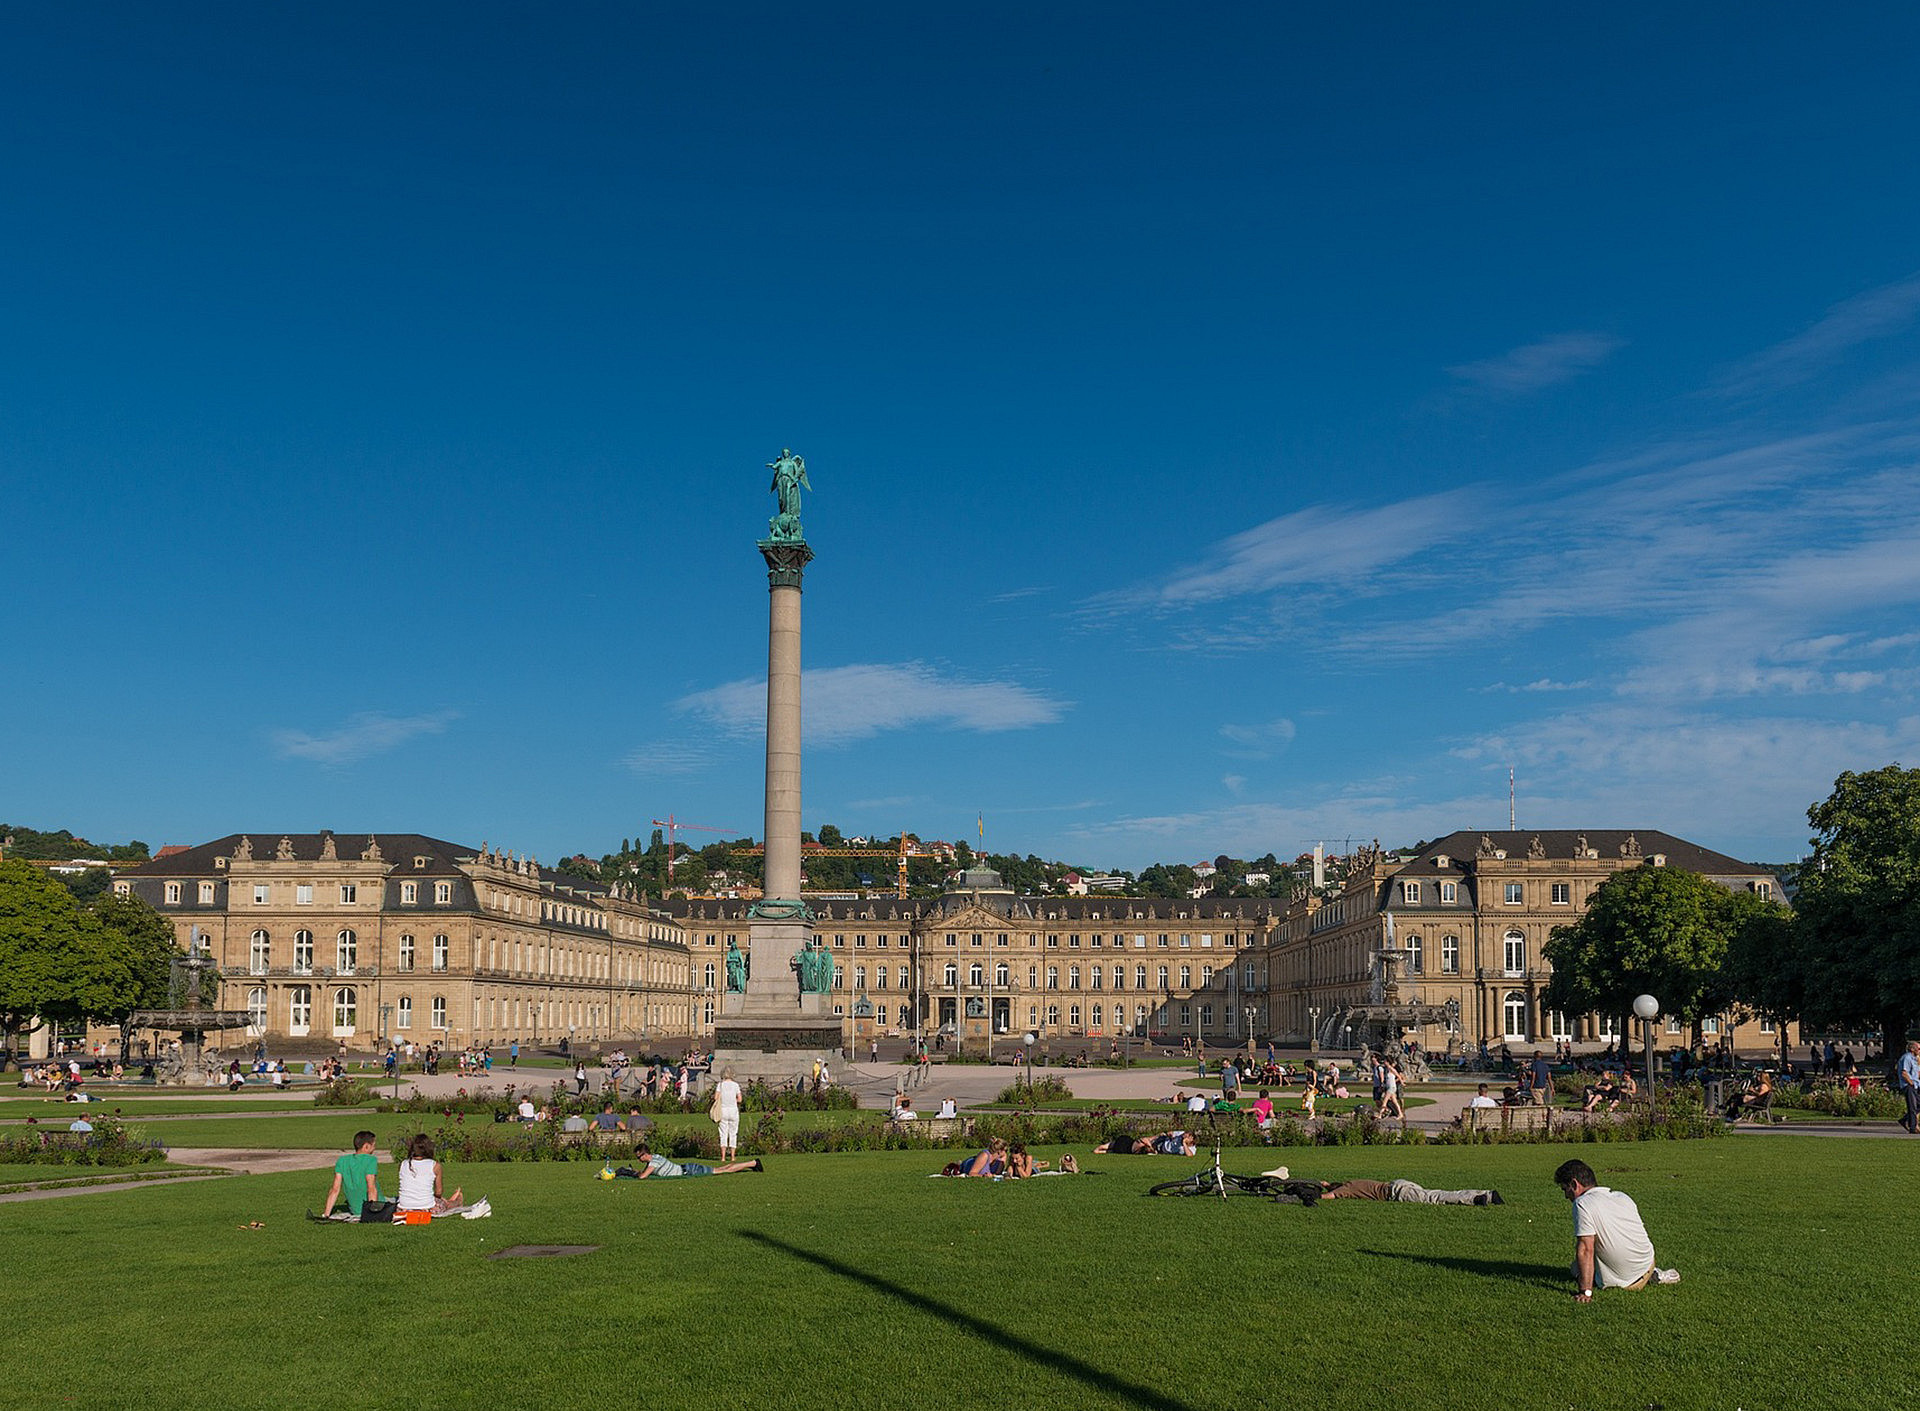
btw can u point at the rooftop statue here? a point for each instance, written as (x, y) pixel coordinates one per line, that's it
(789, 478)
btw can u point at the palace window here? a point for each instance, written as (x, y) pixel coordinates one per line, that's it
(976, 975)
(206, 894)
(1449, 955)
(1186, 977)
(403, 1017)
(404, 960)
(1516, 894)
(440, 952)
(1163, 977)
(1073, 977)
(259, 954)
(1449, 893)
(1515, 946)
(950, 977)
(1206, 1016)
(1416, 956)
(409, 893)
(303, 952)
(439, 1011)
(1140, 977)
(1562, 894)
(299, 1009)
(1000, 974)
(443, 893)
(1053, 977)
(346, 1011)
(346, 952)
(257, 1010)
(860, 977)
(1093, 979)
(303, 894)
(1073, 1016)
(262, 893)
(1053, 1016)
(349, 893)
(1410, 890)
(173, 894)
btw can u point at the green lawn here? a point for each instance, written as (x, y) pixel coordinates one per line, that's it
(854, 1281)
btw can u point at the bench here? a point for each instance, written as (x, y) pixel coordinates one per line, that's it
(1504, 1119)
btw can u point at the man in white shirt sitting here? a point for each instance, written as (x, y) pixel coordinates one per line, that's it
(1610, 1244)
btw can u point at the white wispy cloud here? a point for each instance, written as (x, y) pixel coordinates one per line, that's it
(669, 758)
(1320, 544)
(845, 703)
(1259, 741)
(364, 734)
(1875, 313)
(1532, 366)
(1543, 684)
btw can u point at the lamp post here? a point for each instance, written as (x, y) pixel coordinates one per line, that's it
(1027, 1039)
(1313, 1036)
(1648, 1008)
(1250, 1013)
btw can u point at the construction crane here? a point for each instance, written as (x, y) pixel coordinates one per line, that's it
(674, 825)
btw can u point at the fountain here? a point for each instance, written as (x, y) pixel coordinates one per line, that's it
(191, 1018)
(1387, 1014)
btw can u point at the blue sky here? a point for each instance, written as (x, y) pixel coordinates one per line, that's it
(1229, 429)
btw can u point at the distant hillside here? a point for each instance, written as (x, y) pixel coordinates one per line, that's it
(33, 845)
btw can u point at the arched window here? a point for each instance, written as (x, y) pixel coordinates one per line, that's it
(1053, 979)
(1515, 947)
(1163, 977)
(346, 952)
(1094, 977)
(1557, 1025)
(257, 1010)
(1053, 1016)
(1513, 1013)
(1000, 974)
(1073, 977)
(405, 1015)
(1140, 976)
(439, 1011)
(951, 975)
(1186, 977)
(1449, 955)
(259, 954)
(346, 1008)
(303, 952)
(1073, 1016)
(440, 952)
(976, 975)
(1416, 955)
(708, 974)
(299, 1009)
(879, 977)
(405, 958)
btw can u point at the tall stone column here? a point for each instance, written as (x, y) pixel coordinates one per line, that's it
(774, 1029)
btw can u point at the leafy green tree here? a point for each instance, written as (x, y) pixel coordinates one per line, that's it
(831, 837)
(1859, 904)
(1764, 962)
(1654, 930)
(1160, 880)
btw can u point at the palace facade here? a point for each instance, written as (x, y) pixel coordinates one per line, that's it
(356, 938)
(1466, 920)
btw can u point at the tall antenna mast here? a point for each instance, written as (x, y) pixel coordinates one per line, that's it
(1513, 825)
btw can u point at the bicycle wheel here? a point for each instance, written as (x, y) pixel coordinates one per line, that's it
(1187, 1185)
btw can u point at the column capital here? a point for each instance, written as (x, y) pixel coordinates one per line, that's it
(785, 560)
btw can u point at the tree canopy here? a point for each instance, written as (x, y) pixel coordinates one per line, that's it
(1859, 904)
(1647, 930)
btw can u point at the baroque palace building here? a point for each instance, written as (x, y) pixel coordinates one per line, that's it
(981, 965)
(402, 936)
(1466, 920)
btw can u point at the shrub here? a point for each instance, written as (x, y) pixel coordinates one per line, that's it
(347, 1092)
(1023, 1094)
(1836, 1101)
(108, 1144)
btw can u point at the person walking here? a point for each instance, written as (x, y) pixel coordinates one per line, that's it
(1910, 1087)
(726, 1114)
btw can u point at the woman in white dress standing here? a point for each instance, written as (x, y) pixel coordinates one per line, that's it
(726, 1113)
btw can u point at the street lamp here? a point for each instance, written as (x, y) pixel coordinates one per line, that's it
(1250, 1012)
(1027, 1039)
(1313, 1037)
(1648, 1009)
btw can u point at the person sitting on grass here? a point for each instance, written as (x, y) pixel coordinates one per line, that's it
(420, 1181)
(661, 1167)
(354, 1177)
(1174, 1143)
(1610, 1244)
(1406, 1191)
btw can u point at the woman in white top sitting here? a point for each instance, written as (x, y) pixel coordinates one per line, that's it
(420, 1180)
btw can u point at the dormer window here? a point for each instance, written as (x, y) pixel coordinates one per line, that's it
(1410, 890)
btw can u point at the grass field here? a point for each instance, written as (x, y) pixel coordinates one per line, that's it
(854, 1281)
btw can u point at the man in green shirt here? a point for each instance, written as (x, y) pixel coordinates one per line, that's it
(354, 1176)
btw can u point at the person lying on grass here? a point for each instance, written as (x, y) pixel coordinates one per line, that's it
(1175, 1143)
(1407, 1191)
(660, 1166)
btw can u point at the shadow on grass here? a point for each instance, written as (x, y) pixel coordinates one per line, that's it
(1037, 1353)
(1551, 1276)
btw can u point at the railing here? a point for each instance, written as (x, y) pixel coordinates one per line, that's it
(312, 972)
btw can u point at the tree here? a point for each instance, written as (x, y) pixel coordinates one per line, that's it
(1654, 930)
(1764, 962)
(831, 837)
(1859, 904)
